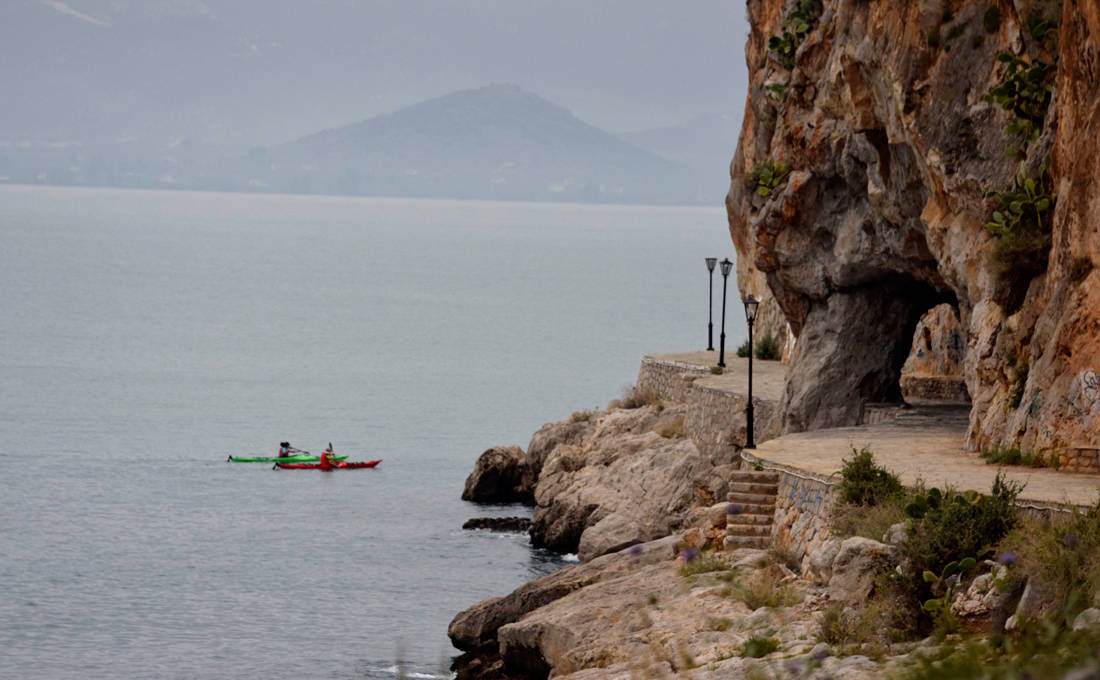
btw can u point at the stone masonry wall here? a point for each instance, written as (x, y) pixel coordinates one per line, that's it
(804, 507)
(716, 418)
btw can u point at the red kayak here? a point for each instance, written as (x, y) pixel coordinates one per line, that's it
(340, 465)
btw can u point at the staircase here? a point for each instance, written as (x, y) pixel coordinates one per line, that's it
(752, 493)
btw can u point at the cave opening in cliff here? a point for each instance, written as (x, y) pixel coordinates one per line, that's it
(929, 346)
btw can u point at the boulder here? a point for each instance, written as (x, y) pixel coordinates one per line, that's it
(856, 566)
(820, 565)
(623, 484)
(498, 477)
(1088, 620)
(477, 626)
(549, 437)
(895, 535)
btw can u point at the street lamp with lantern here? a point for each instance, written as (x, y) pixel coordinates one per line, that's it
(711, 261)
(751, 305)
(725, 265)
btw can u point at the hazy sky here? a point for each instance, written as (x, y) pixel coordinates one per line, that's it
(262, 71)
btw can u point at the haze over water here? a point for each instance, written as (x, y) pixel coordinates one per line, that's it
(144, 336)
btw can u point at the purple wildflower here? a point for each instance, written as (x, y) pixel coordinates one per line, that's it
(635, 550)
(1007, 558)
(688, 554)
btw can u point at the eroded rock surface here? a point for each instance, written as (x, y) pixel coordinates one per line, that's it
(630, 480)
(498, 477)
(892, 148)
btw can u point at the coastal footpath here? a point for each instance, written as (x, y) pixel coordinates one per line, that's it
(701, 559)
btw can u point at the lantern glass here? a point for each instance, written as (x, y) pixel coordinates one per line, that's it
(751, 304)
(726, 266)
(711, 261)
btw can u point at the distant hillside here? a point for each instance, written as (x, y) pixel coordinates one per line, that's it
(497, 142)
(703, 145)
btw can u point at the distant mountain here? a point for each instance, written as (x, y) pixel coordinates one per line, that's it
(497, 142)
(703, 145)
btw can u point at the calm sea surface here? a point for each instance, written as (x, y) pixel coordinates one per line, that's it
(144, 336)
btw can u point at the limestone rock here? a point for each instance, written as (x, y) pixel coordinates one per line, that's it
(1087, 620)
(982, 597)
(820, 566)
(882, 217)
(858, 562)
(895, 535)
(498, 477)
(549, 437)
(624, 483)
(478, 625)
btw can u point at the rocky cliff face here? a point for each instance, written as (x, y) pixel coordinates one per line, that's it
(860, 200)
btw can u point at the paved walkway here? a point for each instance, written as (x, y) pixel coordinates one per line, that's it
(924, 445)
(768, 377)
(930, 452)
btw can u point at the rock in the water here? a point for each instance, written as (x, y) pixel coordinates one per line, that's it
(516, 524)
(856, 566)
(478, 625)
(498, 477)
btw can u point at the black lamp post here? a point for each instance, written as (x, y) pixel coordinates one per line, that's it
(751, 304)
(711, 261)
(726, 265)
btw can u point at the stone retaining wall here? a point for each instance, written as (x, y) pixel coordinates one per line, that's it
(804, 506)
(716, 418)
(1084, 459)
(671, 379)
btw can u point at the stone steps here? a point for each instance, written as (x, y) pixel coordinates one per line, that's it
(735, 542)
(752, 500)
(753, 487)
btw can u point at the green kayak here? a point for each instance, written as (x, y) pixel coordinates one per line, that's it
(301, 458)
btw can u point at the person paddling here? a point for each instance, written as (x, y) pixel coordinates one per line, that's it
(326, 458)
(286, 450)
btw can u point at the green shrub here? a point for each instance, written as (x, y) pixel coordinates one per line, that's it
(1022, 227)
(779, 90)
(744, 349)
(767, 347)
(950, 527)
(758, 646)
(1064, 556)
(705, 563)
(864, 483)
(1025, 91)
(763, 590)
(1039, 26)
(637, 398)
(767, 176)
(796, 26)
(1012, 455)
(671, 429)
(955, 31)
(869, 521)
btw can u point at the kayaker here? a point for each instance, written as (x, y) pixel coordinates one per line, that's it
(286, 450)
(326, 458)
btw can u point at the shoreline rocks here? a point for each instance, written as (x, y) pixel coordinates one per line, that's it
(503, 524)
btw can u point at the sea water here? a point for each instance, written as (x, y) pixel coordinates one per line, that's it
(146, 336)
